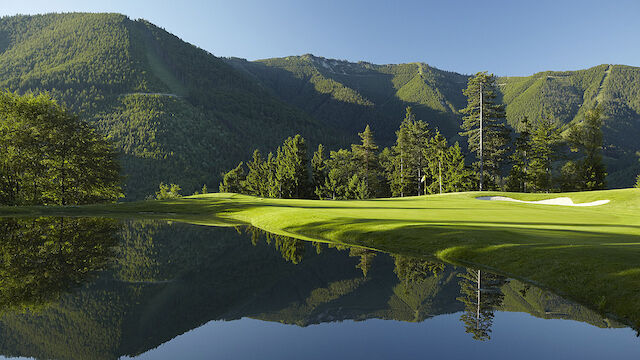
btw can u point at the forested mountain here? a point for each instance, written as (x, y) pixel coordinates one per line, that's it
(179, 114)
(176, 113)
(350, 95)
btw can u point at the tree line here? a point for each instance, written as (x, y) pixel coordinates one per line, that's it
(539, 158)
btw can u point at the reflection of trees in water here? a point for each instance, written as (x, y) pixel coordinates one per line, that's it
(481, 295)
(291, 249)
(366, 258)
(412, 270)
(43, 257)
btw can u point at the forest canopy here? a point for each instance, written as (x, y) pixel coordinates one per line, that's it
(49, 156)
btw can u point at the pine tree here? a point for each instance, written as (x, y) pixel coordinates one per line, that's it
(366, 159)
(435, 152)
(319, 171)
(408, 157)
(291, 169)
(481, 295)
(519, 175)
(544, 142)
(257, 179)
(587, 139)
(458, 176)
(485, 128)
(233, 181)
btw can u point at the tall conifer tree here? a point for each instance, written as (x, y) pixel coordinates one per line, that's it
(587, 139)
(485, 128)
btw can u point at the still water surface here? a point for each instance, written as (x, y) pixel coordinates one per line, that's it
(79, 288)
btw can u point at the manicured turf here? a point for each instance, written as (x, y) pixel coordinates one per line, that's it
(589, 254)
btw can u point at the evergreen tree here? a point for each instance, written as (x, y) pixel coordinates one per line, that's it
(586, 138)
(458, 177)
(319, 171)
(411, 270)
(366, 258)
(257, 179)
(544, 143)
(637, 185)
(519, 175)
(485, 128)
(233, 181)
(339, 179)
(436, 152)
(408, 158)
(446, 170)
(367, 163)
(481, 295)
(292, 174)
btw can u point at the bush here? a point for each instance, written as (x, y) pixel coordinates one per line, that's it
(168, 191)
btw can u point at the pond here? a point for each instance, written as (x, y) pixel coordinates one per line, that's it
(95, 288)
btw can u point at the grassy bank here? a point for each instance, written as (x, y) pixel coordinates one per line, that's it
(589, 254)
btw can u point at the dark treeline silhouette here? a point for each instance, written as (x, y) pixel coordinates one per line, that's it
(538, 159)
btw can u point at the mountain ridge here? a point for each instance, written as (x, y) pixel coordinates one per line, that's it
(121, 75)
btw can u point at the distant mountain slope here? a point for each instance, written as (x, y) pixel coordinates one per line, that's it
(350, 95)
(566, 95)
(177, 113)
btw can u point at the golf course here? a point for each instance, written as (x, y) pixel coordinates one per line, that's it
(586, 253)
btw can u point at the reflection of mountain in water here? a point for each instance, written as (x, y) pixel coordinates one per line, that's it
(168, 279)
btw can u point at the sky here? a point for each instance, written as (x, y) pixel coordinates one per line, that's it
(508, 38)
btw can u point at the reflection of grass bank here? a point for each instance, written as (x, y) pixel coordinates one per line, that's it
(590, 254)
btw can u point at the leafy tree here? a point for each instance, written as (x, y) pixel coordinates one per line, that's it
(45, 257)
(485, 128)
(49, 156)
(233, 181)
(168, 191)
(586, 138)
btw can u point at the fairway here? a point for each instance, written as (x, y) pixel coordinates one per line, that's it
(589, 254)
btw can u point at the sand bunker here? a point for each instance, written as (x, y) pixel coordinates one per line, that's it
(565, 201)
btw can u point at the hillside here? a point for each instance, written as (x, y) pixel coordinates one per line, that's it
(180, 114)
(176, 113)
(350, 95)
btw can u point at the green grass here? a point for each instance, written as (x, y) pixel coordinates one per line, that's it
(588, 254)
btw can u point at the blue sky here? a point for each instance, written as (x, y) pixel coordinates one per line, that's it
(508, 37)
